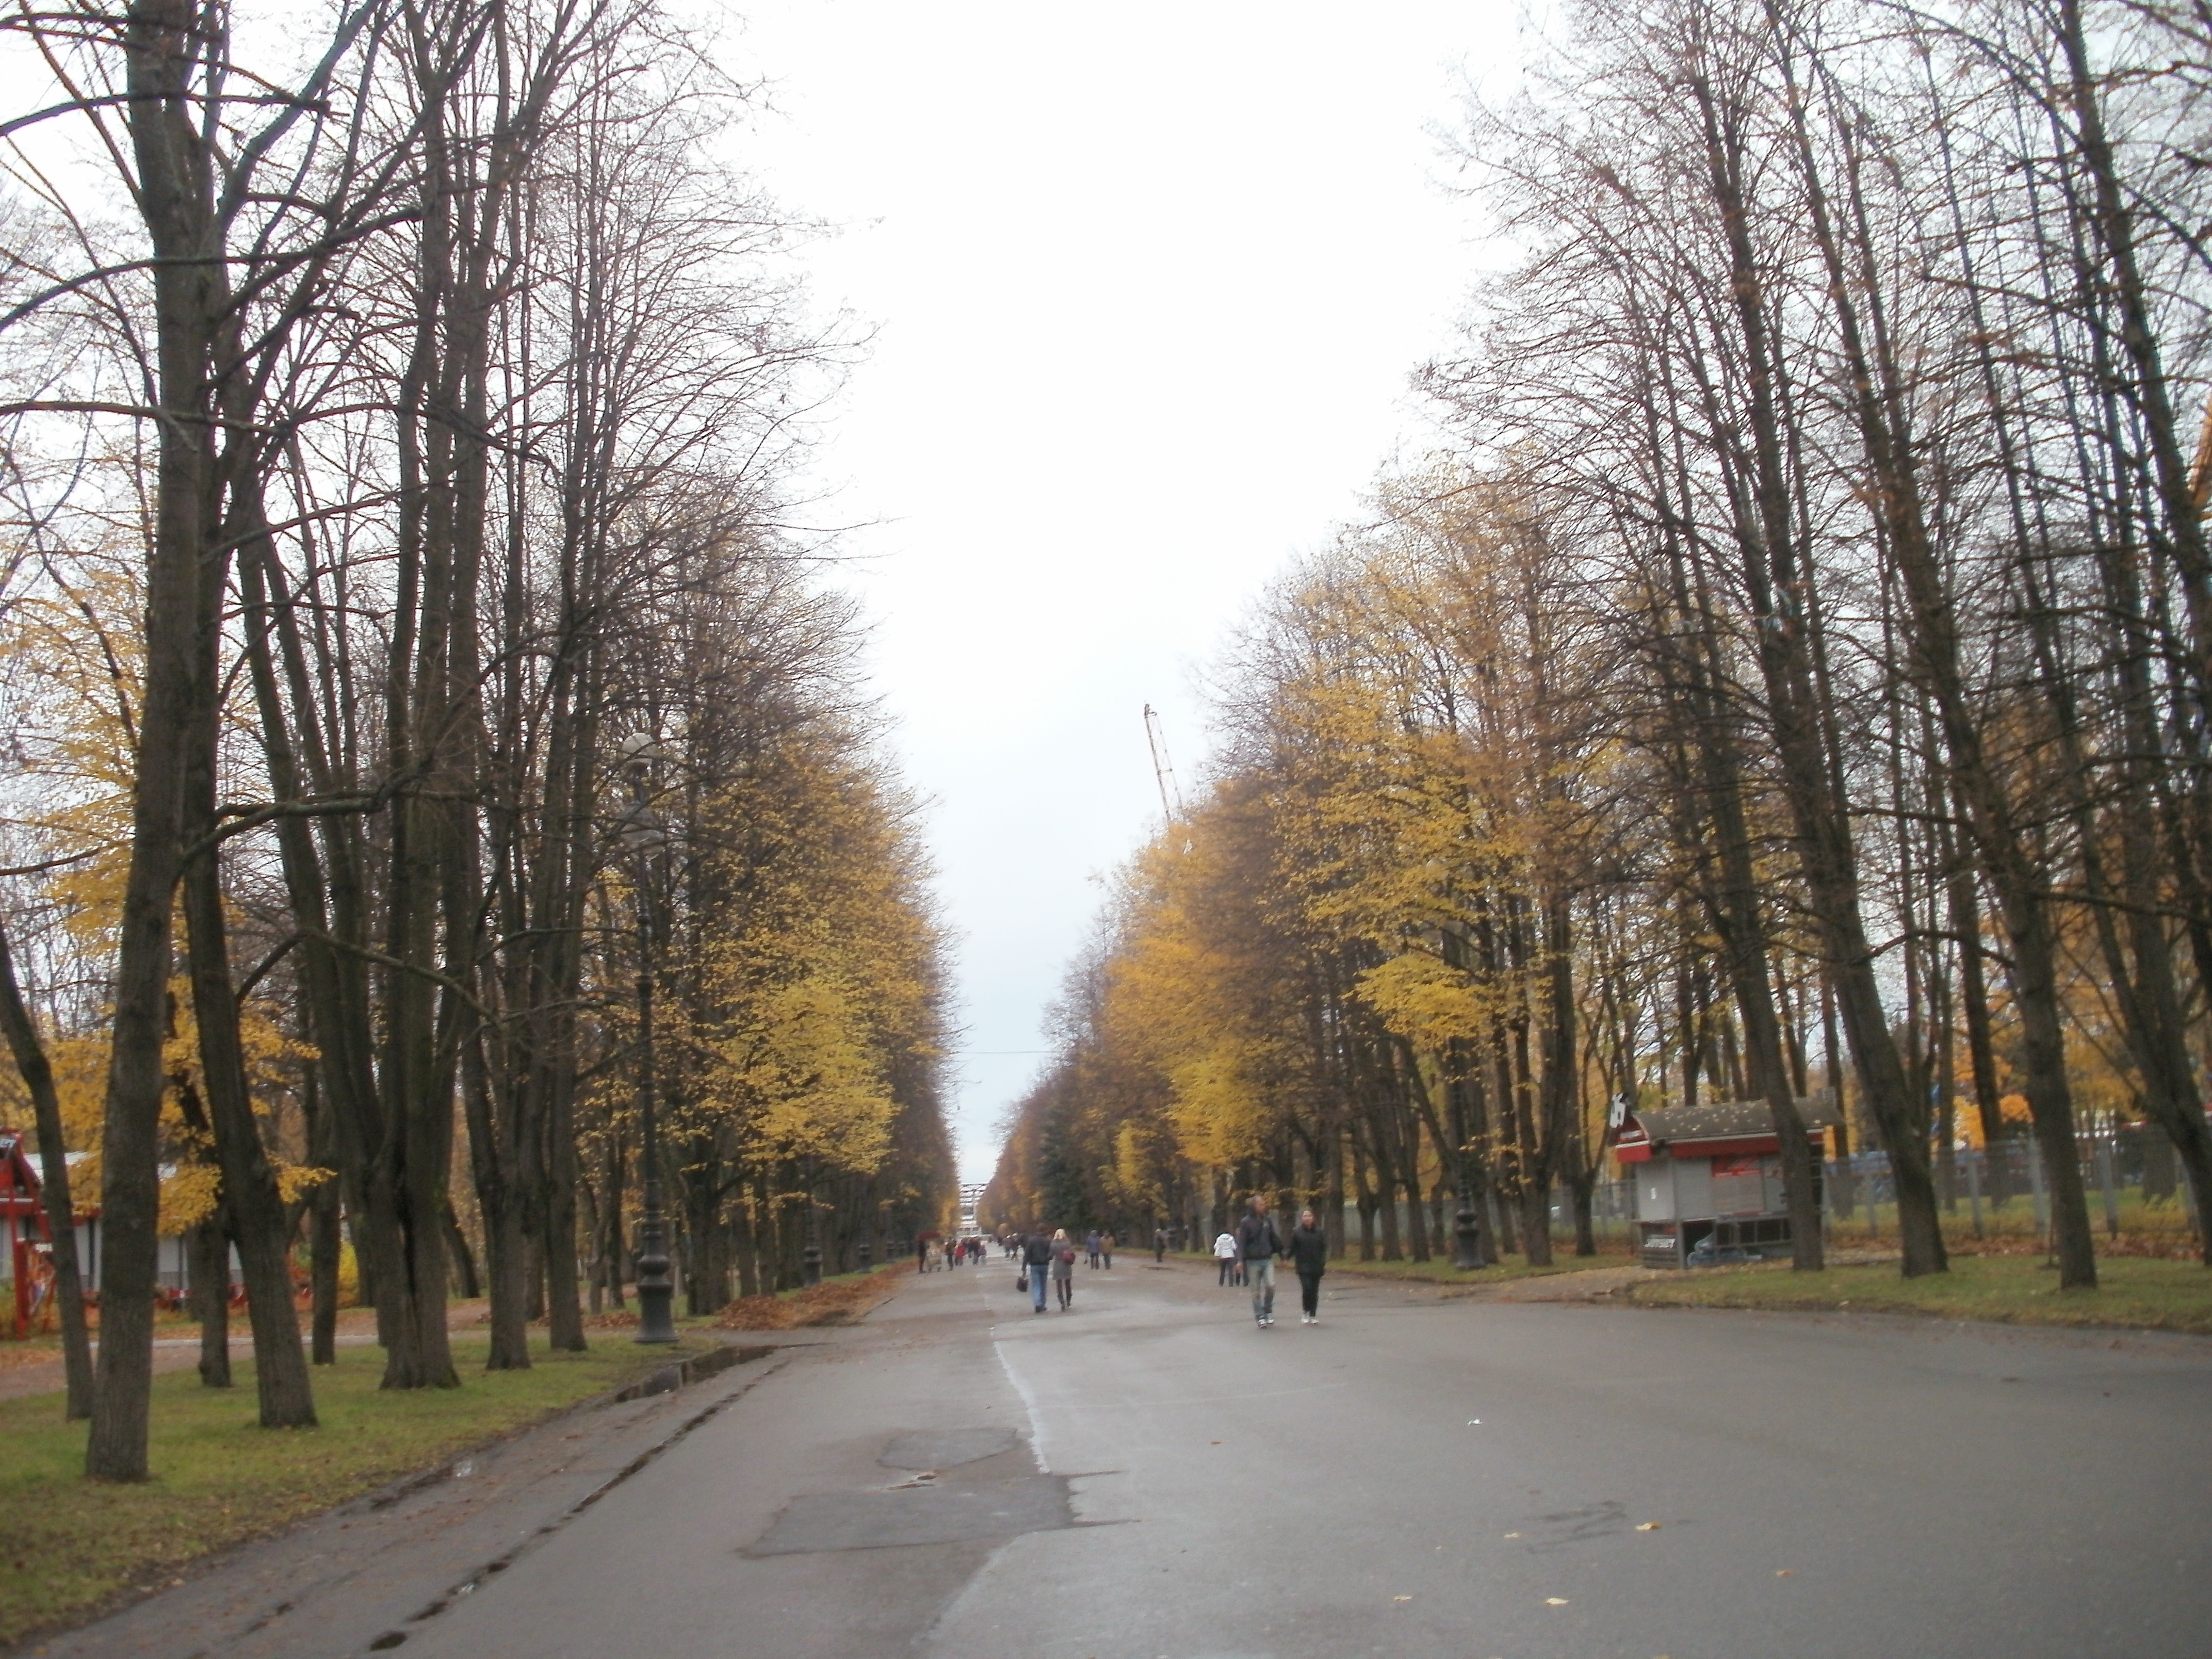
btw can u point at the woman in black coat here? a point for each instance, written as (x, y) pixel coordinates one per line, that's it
(1309, 1255)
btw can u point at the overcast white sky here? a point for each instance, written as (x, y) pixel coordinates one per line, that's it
(1149, 281)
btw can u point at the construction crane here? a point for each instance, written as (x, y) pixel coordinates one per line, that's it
(1162, 768)
(2200, 474)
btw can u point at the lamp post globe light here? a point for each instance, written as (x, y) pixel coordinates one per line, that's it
(644, 835)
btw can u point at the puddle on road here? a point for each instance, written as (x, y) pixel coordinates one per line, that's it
(947, 1501)
(946, 1448)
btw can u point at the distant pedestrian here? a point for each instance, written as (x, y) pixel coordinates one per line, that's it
(1160, 1245)
(921, 1251)
(1091, 1245)
(1309, 1256)
(1106, 1250)
(1036, 1263)
(1224, 1252)
(1063, 1269)
(1258, 1244)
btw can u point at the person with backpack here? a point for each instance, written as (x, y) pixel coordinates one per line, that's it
(1063, 1269)
(1310, 1258)
(1036, 1263)
(1258, 1244)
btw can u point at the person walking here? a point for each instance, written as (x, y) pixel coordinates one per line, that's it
(1258, 1244)
(1310, 1258)
(1091, 1244)
(1106, 1250)
(1225, 1253)
(1160, 1245)
(1063, 1269)
(1036, 1263)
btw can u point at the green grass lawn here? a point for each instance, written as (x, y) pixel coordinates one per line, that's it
(2147, 1227)
(67, 1545)
(2133, 1292)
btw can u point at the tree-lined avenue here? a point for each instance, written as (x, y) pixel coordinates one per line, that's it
(1821, 1487)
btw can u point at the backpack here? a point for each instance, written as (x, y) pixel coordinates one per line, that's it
(1068, 1256)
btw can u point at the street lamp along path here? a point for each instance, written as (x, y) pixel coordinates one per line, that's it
(644, 834)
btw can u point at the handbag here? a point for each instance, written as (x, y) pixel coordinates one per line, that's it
(1023, 1282)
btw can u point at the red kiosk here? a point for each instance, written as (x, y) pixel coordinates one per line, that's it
(23, 1226)
(1709, 1179)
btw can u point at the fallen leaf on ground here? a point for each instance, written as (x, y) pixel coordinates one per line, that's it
(1401, 1598)
(1555, 1600)
(1647, 1526)
(838, 1302)
(1783, 1572)
(1512, 1535)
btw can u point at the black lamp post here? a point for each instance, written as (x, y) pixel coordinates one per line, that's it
(643, 834)
(810, 1259)
(1467, 1221)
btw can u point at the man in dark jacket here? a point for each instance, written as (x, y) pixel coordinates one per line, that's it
(1258, 1244)
(1036, 1263)
(1309, 1255)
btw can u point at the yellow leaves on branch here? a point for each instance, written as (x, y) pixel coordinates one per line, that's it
(817, 1082)
(820, 974)
(1426, 1002)
(190, 1185)
(1400, 797)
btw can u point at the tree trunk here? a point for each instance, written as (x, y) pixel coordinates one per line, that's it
(1536, 1218)
(255, 1207)
(208, 1264)
(163, 118)
(38, 1074)
(1583, 1183)
(324, 1242)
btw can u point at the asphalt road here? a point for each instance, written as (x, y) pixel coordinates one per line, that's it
(1151, 1477)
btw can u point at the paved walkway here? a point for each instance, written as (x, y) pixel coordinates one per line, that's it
(1151, 1477)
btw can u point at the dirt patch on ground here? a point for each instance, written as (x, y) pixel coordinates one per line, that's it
(836, 1303)
(1593, 1284)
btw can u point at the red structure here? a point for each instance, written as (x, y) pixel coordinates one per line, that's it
(1709, 1179)
(23, 1225)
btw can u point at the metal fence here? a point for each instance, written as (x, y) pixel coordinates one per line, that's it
(2134, 1181)
(2135, 1186)
(1613, 1220)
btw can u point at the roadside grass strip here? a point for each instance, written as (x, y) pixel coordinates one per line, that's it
(69, 1545)
(2134, 1292)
